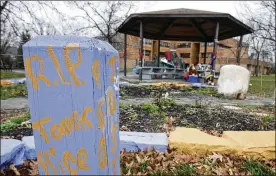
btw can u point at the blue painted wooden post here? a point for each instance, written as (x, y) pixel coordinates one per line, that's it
(74, 103)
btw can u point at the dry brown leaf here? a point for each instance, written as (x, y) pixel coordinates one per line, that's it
(138, 159)
(128, 173)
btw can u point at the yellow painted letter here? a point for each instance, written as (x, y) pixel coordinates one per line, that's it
(114, 129)
(81, 158)
(39, 125)
(100, 114)
(56, 63)
(68, 156)
(46, 163)
(111, 101)
(30, 73)
(83, 119)
(112, 64)
(72, 67)
(102, 157)
(96, 72)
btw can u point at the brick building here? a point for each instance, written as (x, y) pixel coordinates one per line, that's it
(192, 52)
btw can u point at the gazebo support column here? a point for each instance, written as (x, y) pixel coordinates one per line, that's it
(215, 46)
(125, 55)
(205, 50)
(158, 54)
(239, 51)
(141, 50)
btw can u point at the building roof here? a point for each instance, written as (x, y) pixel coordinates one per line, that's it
(184, 25)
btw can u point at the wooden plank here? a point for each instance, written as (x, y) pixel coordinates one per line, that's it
(74, 104)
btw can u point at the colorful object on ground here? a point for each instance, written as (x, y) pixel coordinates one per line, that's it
(74, 104)
(193, 79)
(5, 83)
(210, 79)
(186, 76)
(8, 82)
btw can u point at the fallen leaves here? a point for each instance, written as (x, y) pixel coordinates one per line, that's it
(151, 162)
(168, 125)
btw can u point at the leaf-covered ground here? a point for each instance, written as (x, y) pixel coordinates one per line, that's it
(167, 163)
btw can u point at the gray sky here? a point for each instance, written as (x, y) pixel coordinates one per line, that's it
(217, 6)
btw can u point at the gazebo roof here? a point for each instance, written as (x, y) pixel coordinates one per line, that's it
(184, 25)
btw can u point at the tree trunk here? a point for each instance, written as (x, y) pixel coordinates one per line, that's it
(257, 69)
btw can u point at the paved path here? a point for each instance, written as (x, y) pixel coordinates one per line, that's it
(194, 99)
(22, 103)
(18, 71)
(14, 103)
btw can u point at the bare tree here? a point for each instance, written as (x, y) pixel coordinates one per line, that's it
(32, 15)
(104, 17)
(261, 16)
(235, 48)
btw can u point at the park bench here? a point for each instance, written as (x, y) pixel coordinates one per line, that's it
(150, 72)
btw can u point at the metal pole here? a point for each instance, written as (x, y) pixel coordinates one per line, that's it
(141, 49)
(158, 54)
(125, 56)
(205, 50)
(215, 45)
(239, 51)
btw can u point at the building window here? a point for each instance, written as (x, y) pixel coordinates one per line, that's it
(147, 52)
(148, 41)
(164, 44)
(172, 46)
(209, 44)
(208, 55)
(185, 55)
(162, 54)
(184, 45)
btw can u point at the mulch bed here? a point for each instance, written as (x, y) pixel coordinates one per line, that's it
(154, 91)
(6, 114)
(203, 117)
(213, 120)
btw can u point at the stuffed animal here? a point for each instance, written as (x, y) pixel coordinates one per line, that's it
(192, 70)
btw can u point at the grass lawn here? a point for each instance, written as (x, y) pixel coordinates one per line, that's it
(18, 90)
(262, 86)
(8, 74)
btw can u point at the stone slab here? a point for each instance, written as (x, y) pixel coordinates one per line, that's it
(257, 144)
(133, 141)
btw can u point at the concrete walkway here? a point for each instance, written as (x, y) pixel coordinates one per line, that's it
(18, 71)
(22, 103)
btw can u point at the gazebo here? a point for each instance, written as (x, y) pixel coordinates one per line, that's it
(182, 25)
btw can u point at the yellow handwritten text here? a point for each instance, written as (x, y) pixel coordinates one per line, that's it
(31, 75)
(70, 66)
(39, 125)
(111, 101)
(96, 72)
(114, 129)
(57, 65)
(102, 156)
(67, 158)
(66, 126)
(111, 62)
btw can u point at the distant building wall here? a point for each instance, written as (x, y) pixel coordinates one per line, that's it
(187, 51)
